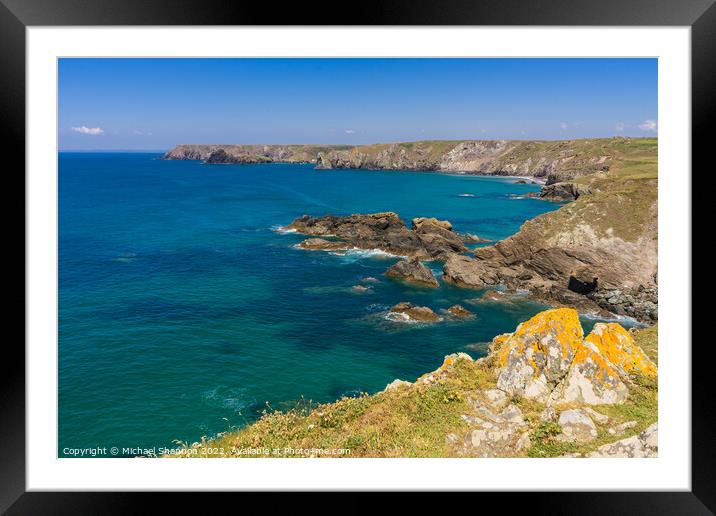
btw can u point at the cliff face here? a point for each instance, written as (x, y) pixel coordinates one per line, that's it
(250, 153)
(554, 161)
(598, 253)
(544, 390)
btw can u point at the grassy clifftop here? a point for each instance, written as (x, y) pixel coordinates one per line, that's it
(554, 160)
(427, 418)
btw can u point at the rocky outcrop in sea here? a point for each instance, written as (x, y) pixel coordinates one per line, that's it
(427, 239)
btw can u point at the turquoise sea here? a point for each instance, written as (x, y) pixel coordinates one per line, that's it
(183, 312)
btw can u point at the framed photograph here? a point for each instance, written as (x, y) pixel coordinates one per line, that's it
(447, 247)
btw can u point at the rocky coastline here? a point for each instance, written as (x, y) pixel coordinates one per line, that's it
(546, 162)
(600, 275)
(597, 252)
(544, 390)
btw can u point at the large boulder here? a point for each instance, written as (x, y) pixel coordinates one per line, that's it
(548, 359)
(539, 353)
(618, 346)
(412, 271)
(576, 426)
(495, 431)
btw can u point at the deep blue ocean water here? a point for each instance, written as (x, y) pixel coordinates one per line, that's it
(183, 312)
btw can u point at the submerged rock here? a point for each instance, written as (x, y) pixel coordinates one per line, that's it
(320, 244)
(460, 311)
(412, 271)
(415, 313)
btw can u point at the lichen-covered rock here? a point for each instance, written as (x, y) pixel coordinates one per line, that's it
(576, 426)
(591, 380)
(496, 398)
(618, 346)
(539, 353)
(548, 359)
(621, 428)
(643, 445)
(493, 433)
(412, 271)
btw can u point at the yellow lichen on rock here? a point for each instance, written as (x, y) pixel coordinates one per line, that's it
(538, 354)
(563, 322)
(548, 358)
(498, 348)
(618, 346)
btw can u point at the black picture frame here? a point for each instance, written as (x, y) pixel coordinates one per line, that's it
(16, 15)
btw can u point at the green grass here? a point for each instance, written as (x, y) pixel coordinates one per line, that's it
(414, 421)
(407, 422)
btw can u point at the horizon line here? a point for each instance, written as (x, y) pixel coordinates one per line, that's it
(374, 143)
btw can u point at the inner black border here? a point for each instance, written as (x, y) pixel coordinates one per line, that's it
(16, 15)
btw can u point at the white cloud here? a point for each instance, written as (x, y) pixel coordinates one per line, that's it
(620, 126)
(350, 131)
(94, 131)
(140, 133)
(648, 125)
(563, 125)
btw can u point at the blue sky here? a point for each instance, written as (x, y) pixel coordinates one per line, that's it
(134, 104)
